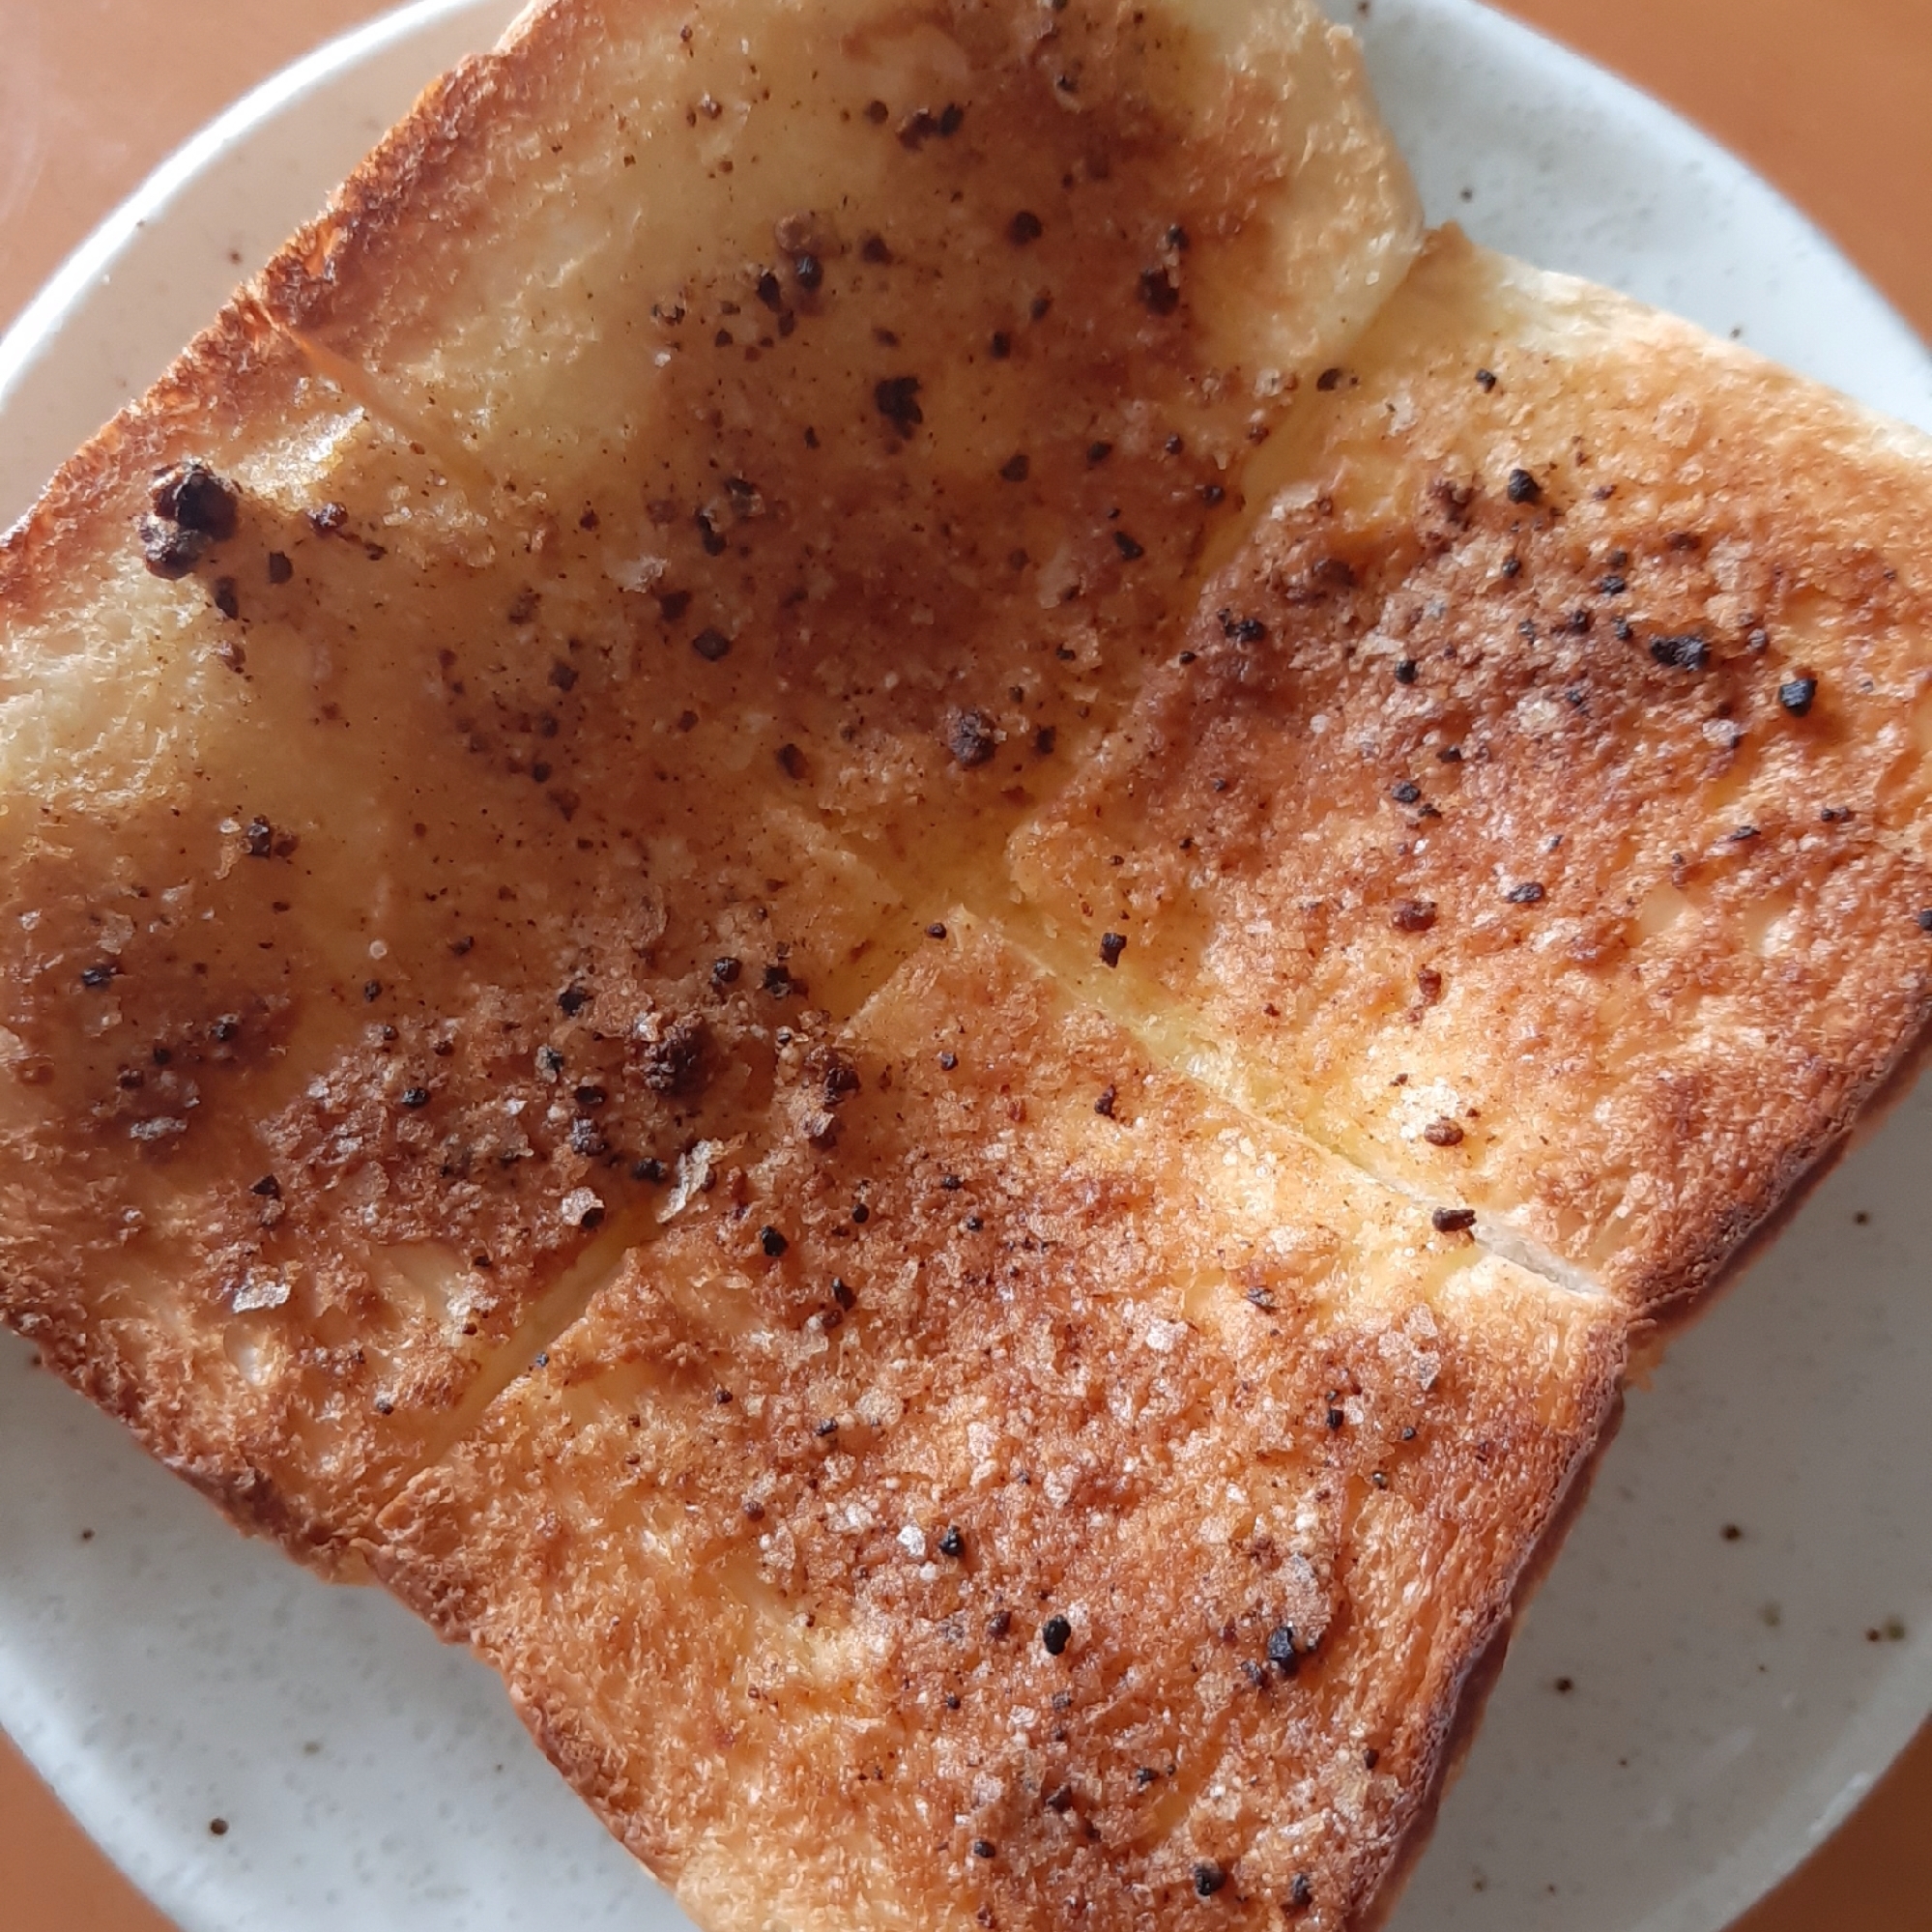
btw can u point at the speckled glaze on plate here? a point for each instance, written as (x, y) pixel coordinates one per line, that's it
(1737, 1636)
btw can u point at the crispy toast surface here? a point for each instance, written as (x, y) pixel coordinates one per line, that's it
(470, 835)
(879, 733)
(1528, 811)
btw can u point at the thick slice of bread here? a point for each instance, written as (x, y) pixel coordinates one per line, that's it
(1534, 809)
(367, 975)
(1062, 1497)
(492, 749)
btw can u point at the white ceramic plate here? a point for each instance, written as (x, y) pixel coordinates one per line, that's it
(1685, 1713)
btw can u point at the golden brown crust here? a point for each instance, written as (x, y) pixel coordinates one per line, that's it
(1161, 1373)
(1486, 827)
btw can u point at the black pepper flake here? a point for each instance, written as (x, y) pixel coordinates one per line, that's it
(1413, 915)
(951, 1541)
(1130, 551)
(1529, 893)
(1212, 494)
(792, 761)
(1208, 1879)
(725, 971)
(1924, 921)
(1405, 670)
(1681, 654)
(1044, 739)
(675, 1064)
(1104, 1106)
(1060, 1799)
(1158, 291)
(773, 1242)
(808, 271)
(985, 1848)
(1017, 467)
(258, 839)
(951, 1183)
(1336, 1418)
(1112, 946)
(1452, 1220)
(1485, 378)
(587, 1139)
(94, 977)
(948, 1063)
(227, 597)
(1443, 1133)
(268, 1188)
(416, 1096)
(1523, 488)
(1406, 792)
(843, 1295)
(972, 738)
(650, 1171)
(1301, 1892)
(1796, 695)
(936, 930)
(1329, 381)
(1242, 630)
(896, 398)
(769, 292)
(572, 1001)
(777, 981)
(1450, 753)
(1056, 1634)
(711, 645)
(372, 990)
(1025, 227)
(861, 1214)
(1614, 586)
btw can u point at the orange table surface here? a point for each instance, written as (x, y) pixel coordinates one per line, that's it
(1827, 98)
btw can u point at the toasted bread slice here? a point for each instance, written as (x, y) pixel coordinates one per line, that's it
(1063, 1497)
(1533, 810)
(503, 1091)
